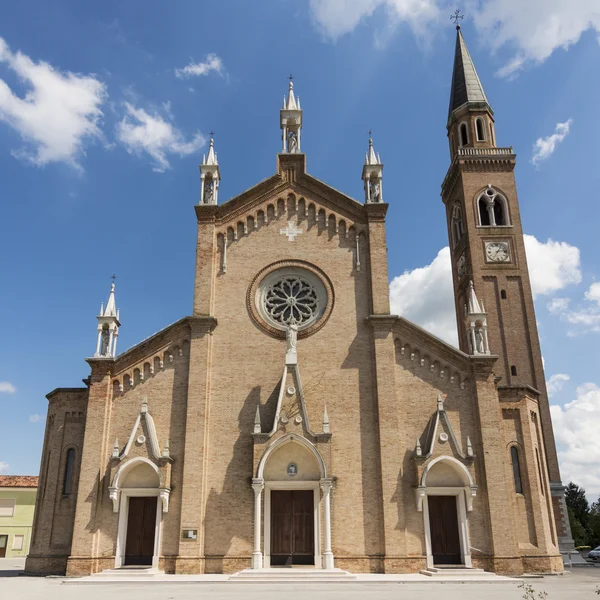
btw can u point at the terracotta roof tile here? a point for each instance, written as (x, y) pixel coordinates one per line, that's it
(28, 481)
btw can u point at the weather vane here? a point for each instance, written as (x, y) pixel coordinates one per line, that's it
(113, 277)
(370, 133)
(456, 17)
(212, 133)
(291, 77)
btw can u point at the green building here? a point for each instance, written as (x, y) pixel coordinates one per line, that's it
(17, 505)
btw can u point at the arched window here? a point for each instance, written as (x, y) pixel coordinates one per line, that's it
(479, 128)
(514, 455)
(464, 134)
(493, 209)
(68, 478)
(457, 224)
(503, 294)
(484, 215)
(513, 370)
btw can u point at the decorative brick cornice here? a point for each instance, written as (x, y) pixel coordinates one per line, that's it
(376, 211)
(206, 213)
(71, 391)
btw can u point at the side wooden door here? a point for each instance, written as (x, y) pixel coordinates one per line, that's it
(443, 526)
(141, 526)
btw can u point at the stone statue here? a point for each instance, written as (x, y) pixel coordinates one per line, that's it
(208, 191)
(291, 337)
(292, 142)
(479, 341)
(375, 191)
(105, 342)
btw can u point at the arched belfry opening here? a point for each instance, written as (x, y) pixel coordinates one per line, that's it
(292, 476)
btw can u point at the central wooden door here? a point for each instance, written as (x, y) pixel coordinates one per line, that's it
(3, 545)
(443, 525)
(292, 527)
(141, 528)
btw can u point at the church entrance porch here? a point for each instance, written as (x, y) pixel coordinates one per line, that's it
(443, 524)
(292, 528)
(141, 521)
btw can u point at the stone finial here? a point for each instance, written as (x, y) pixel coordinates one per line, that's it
(257, 425)
(469, 447)
(108, 327)
(440, 403)
(144, 404)
(326, 428)
(418, 449)
(372, 175)
(167, 451)
(116, 452)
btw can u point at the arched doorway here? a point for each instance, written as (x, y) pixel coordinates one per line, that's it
(136, 488)
(446, 492)
(292, 474)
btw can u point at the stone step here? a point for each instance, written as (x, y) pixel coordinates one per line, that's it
(298, 575)
(129, 573)
(458, 573)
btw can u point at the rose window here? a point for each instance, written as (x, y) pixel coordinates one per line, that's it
(291, 300)
(291, 295)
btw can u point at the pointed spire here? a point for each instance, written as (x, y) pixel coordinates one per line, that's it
(111, 308)
(257, 425)
(291, 99)
(466, 86)
(108, 326)
(290, 121)
(210, 175)
(212, 155)
(473, 303)
(372, 175)
(372, 157)
(326, 428)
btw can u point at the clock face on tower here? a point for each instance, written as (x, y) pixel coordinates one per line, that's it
(497, 252)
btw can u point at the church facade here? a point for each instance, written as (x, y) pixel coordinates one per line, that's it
(291, 419)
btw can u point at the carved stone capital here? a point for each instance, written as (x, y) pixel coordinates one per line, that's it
(164, 494)
(258, 485)
(326, 484)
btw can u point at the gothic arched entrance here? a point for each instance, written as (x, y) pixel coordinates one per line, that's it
(292, 474)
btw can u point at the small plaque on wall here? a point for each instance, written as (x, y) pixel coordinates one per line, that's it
(189, 534)
(292, 470)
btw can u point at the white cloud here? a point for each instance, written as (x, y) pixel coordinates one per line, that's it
(57, 115)
(593, 294)
(556, 383)
(3, 467)
(557, 306)
(576, 426)
(35, 418)
(530, 30)
(534, 29)
(552, 265)
(7, 387)
(212, 63)
(140, 131)
(338, 17)
(425, 295)
(544, 147)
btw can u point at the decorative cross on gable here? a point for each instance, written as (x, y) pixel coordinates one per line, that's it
(291, 231)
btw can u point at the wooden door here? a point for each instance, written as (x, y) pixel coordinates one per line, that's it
(3, 545)
(443, 525)
(141, 526)
(292, 527)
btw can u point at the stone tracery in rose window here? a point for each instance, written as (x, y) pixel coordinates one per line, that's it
(292, 299)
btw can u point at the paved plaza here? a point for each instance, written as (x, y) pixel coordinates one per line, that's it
(578, 584)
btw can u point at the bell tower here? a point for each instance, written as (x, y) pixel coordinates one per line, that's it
(488, 258)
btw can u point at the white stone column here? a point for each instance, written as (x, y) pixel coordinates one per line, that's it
(327, 553)
(202, 176)
(99, 342)
(114, 348)
(110, 343)
(257, 558)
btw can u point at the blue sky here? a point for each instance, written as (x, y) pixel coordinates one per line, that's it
(102, 128)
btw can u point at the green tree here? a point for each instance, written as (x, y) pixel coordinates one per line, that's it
(579, 515)
(595, 522)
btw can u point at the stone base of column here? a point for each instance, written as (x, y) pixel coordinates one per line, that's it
(328, 560)
(257, 560)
